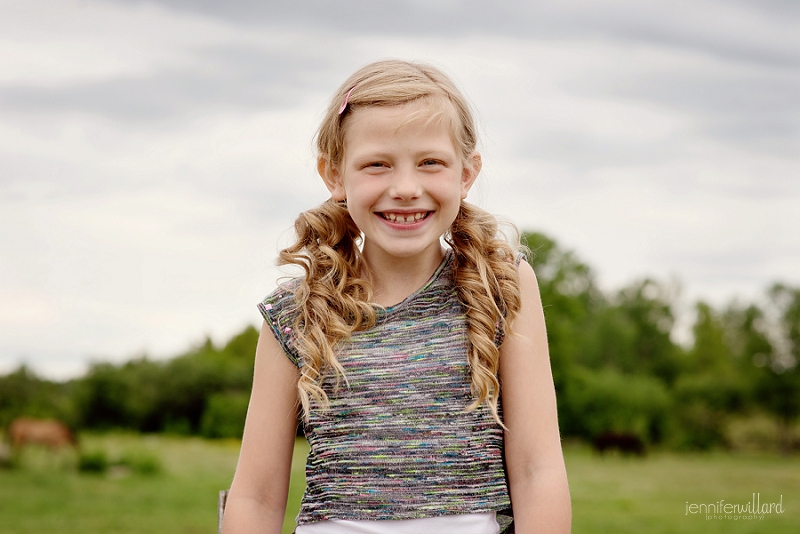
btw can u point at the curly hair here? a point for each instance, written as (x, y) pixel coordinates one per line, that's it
(334, 299)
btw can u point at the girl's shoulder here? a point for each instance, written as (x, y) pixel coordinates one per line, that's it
(279, 310)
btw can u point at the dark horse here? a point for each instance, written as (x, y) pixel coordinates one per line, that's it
(624, 443)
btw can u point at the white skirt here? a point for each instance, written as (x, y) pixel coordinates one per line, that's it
(483, 523)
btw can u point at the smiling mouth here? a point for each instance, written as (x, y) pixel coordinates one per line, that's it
(404, 218)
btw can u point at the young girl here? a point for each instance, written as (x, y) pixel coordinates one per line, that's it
(415, 342)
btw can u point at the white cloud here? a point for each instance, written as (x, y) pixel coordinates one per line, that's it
(53, 43)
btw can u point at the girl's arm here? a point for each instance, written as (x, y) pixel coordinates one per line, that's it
(257, 498)
(536, 473)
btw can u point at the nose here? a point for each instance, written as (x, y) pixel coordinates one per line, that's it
(405, 185)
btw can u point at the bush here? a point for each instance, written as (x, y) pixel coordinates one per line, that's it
(93, 462)
(224, 415)
(594, 402)
(704, 404)
(141, 462)
(7, 458)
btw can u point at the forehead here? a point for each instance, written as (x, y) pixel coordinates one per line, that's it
(418, 119)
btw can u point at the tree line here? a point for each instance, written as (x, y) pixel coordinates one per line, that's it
(615, 363)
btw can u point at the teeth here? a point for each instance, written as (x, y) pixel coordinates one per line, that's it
(411, 217)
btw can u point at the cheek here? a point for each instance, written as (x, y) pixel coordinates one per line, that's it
(359, 204)
(454, 192)
(360, 193)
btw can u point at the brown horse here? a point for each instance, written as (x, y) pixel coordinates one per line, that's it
(48, 432)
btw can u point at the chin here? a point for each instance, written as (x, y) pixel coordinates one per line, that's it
(412, 251)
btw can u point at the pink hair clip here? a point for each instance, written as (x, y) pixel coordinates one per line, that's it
(346, 100)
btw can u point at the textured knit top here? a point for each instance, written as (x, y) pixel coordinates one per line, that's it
(398, 443)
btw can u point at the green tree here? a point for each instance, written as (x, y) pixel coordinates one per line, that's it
(712, 385)
(190, 380)
(124, 396)
(168, 395)
(569, 297)
(608, 400)
(224, 415)
(778, 383)
(648, 307)
(747, 336)
(24, 393)
(242, 347)
(631, 332)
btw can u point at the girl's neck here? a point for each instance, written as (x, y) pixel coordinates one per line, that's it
(394, 279)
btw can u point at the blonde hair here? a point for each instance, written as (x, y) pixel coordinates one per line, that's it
(334, 299)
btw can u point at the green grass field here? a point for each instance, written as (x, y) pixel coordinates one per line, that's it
(610, 494)
(615, 494)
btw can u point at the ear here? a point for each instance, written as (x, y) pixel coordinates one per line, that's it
(333, 180)
(472, 167)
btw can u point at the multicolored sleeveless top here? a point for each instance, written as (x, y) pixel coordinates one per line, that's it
(398, 443)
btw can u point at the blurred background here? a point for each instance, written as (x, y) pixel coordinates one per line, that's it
(154, 155)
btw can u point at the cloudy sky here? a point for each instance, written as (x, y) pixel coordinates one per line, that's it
(153, 155)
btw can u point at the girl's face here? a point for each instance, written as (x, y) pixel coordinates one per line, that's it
(403, 180)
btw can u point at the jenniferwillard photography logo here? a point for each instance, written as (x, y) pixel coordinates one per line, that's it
(755, 510)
